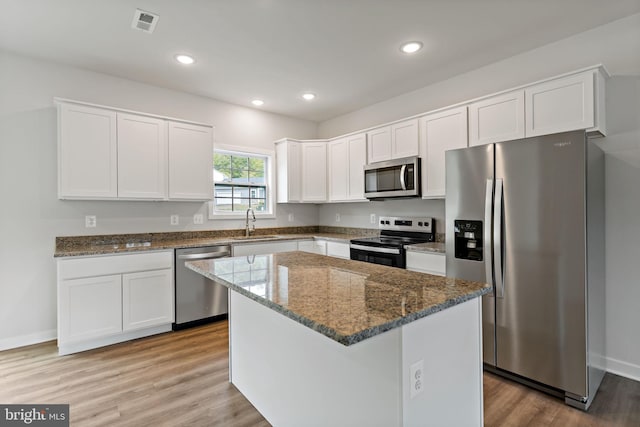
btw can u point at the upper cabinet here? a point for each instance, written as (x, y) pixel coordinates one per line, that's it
(393, 142)
(498, 118)
(346, 159)
(301, 171)
(190, 161)
(441, 131)
(105, 153)
(314, 171)
(564, 104)
(87, 152)
(142, 157)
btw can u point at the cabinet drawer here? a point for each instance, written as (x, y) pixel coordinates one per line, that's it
(427, 263)
(338, 250)
(113, 264)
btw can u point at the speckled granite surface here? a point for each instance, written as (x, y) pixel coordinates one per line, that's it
(117, 243)
(430, 247)
(348, 301)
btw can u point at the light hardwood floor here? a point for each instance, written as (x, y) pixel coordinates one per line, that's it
(181, 379)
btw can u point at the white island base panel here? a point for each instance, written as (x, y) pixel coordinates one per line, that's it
(297, 377)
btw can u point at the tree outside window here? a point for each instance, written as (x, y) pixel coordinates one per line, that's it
(239, 182)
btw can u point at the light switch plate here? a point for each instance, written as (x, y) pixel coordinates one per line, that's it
(337, 217)
(372, 218)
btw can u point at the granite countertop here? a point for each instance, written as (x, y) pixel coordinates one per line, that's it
(431, 247)
(120, 243)
(348, 301)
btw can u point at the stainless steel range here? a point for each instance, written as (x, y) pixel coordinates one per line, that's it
(395, 234)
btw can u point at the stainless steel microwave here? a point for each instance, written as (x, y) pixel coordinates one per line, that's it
(393, 178)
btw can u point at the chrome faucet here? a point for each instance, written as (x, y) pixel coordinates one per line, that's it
(247, 231)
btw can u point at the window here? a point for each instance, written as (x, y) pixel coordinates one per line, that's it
(241, 181)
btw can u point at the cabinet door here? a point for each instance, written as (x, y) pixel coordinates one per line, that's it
(288, 188)
(560, 105)
(427, 263)
(499, 118)
(379, 145)
(89, 308)
(314, 172)
(338, 163)
(147, 299)
(190, 162)
(338, 250)
(87, 153)
(313, 246)
(404, 139)
(142, 157)
(446, 130)
(357, 160)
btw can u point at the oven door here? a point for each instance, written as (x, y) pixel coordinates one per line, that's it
(393, 257)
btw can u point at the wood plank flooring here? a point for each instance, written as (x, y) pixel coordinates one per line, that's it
(181, 379)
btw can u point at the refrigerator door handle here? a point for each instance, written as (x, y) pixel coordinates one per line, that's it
(497, 238)
(488, 259)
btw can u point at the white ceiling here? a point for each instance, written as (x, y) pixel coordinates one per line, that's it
(345, 51)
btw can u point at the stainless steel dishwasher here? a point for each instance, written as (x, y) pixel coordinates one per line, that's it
(198, 299)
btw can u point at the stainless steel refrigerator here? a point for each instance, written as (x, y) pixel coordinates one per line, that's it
(527, 216)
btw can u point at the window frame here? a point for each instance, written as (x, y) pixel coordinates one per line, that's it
(269, 156)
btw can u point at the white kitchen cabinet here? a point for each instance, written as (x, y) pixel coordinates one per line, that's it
(338, 250)
(90, 308)
(109, 154)
(288, 171)
(346, 160)
(314, 171)
(104, 300)
(142, 157)
(393, 142)
(431, 263)
(338, 164)
(190, 161)
(243, 249)
(565, 104)
(404, 139)
(313, 246)
(441, 131)
(498, 118)
(87, 153)
(147, 299)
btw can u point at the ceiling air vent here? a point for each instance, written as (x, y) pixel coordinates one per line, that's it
(144, 21)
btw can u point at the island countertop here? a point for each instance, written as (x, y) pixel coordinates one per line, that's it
(347, 301)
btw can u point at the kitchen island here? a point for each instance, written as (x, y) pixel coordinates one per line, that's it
(316, 340)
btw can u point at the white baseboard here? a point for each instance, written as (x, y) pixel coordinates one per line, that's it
(624, 369)
(30, 339)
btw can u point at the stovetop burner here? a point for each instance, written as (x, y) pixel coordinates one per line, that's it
(397, 232)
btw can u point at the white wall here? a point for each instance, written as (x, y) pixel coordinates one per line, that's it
(616, 45)
(31, 216)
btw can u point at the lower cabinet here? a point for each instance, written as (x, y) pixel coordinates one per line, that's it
(313, 246)
(103, 300)
(338, 250)
(431, 263)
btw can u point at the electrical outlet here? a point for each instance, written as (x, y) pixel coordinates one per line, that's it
(90, 221)
(290, 217)
(337, 217)
(175, 220)
(416, 380)
(372, 218)
(198, 219)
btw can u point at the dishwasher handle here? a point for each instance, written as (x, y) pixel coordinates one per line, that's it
(208, 255)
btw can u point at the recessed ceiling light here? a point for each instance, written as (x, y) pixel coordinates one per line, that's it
(411, 47)
(257, 102)
(309, 96)
(185, 59)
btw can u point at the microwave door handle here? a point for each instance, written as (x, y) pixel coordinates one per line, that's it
(403, 182)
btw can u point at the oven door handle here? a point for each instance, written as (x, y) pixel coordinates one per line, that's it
(394, 251)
